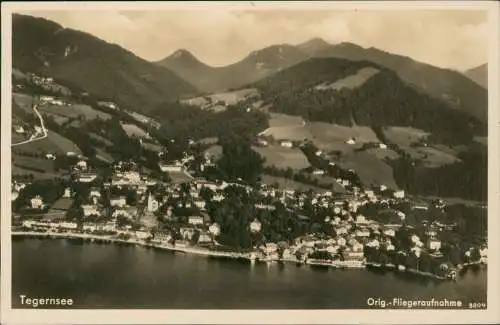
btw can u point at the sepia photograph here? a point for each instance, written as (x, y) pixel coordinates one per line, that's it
(271, 157)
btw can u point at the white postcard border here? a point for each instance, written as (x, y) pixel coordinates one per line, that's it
(491, 315)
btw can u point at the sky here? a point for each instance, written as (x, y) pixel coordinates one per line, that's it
(455, 39)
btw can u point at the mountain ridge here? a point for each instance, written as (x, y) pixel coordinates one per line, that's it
(257, 64)
(101, 68)
(381, 99)
(479, 75)
(447, 85)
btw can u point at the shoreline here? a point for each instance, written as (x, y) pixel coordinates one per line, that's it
(221, 254)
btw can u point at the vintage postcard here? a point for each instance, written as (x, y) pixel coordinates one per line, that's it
(250, 162)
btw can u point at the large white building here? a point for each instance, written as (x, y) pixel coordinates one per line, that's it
(195, 220)
(175, 167)
(399, 194)
(119, 201)
(37, 202)
(89, 209)
(87, 177)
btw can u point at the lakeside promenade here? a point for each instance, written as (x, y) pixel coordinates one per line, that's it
(222, 254)
(131, 241)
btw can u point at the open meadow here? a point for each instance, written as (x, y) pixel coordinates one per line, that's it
(280, 157)
(333, 137)
(23, 102)
(133, 130)
(370, 169)
(407, 139)
(53, 143)
(230, 98)
(284, 183)
(74, 111)
(214, 151)
(352, 81)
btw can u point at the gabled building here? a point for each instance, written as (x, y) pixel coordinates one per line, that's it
(37, 202)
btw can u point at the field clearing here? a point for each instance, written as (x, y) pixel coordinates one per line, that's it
(287, 127)
(32, 162)
(104, 155)
(451, 151)
(326, 136)
(134, 130)
(333, 137)
(142, 118)
(370, 169)
(74, 111)
(23, 101)
(292, 133)
(352, 81)
(404, 136)
(277, 120)
(383, 153)
(17, 171)
(15, 138)
(179, 177)
(53, 143)
(289, 184)
(17, 74)
(152, 146)
(450, 200)
(101, 139)
(208, 141)
(280, 157)
(327, 180)
(60, 120)
(436, 158)
(215, 151)
(258, 104)
(230, 97)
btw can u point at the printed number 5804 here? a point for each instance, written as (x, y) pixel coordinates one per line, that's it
(477, 305)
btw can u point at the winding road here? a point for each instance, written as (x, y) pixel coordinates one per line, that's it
(35, 136)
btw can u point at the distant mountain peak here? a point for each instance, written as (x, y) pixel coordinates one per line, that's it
(349, 44)
(182, 54)
(314, 45)
(316, 41)
(479, 75)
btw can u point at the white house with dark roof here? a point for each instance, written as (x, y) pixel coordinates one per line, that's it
(37, 202)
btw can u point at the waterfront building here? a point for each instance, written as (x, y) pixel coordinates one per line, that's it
(68, 225)
(204, 238)
(187, 232)
(141, 234)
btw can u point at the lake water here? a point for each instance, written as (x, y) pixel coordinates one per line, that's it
(112, 276)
